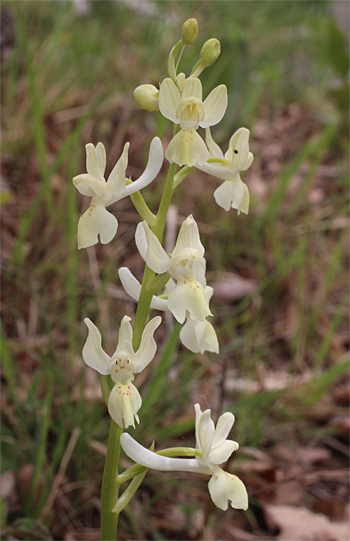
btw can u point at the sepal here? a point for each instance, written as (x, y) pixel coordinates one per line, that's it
(93, 354)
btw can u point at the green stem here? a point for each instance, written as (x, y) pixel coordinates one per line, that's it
(181, 175)
(143, 307)
(142, 208)
(110, 481)
(171, 62)
(158, 229)
(110, 485)
(146, 294)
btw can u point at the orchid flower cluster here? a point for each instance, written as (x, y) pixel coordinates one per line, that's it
(173, 282)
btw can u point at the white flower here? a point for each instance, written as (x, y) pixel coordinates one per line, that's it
(124, 399)
(186, 265)
(197, 336)
(188, 110)
(233, 192)
(97, 220)
(215, 449)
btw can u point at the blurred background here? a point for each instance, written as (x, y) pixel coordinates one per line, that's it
(279, 274)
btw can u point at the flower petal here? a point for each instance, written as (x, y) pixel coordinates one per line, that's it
(214, 149)
(188, 237)
(245, 201)
(159, 304)
(92, 165)
(192, 89)
(199, 336)
(93, 354)
(198, 272)
(169, 286)
(125, 335)
(133, 288)
(96, 221)
(154, 164)
(89, 186)
(131, 285)
(206, 431)
(101, 157)
(198, 412)
(216, 170)
(233, 193)
(189, 337)
(248, 162)
(150, 248)
(215, 106)
(208, 292)
(123, 404)
(181, 79)
(223, 487)
(238, 150)
(222, 453)
(187, 148)
(116, 180)
(223, 427)
(188, 297)
(148, 347)
(169, 100)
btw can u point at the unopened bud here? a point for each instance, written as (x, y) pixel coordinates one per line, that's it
(147, 97)
(210, 52)
(189, 31)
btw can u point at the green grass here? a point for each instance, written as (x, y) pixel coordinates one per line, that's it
(68, 81)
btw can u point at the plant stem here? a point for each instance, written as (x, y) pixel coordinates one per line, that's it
(158, 229)
(110, 486)
(146, 294)
(143, 307)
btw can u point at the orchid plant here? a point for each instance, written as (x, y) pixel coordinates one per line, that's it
(172, 282)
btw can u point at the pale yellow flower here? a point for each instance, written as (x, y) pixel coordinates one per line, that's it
(215, 449)
(124, 399)
(188, 110)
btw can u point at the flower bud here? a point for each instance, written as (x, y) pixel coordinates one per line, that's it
(147, 97)
(189, 31)
(210, 52)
